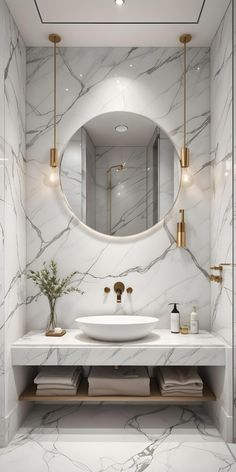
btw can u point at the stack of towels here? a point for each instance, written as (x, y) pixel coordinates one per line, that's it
(121, 381)
(58, 380)
(179, 381)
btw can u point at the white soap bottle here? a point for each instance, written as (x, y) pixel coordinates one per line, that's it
(194, 322)
(174, 319)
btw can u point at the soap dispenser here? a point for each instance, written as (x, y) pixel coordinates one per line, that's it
(175, 319)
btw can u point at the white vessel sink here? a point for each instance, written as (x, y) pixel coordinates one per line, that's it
(117, 327)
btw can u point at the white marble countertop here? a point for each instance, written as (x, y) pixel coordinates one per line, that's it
(159, 348)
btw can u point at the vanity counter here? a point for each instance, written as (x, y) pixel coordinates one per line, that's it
(159, 348)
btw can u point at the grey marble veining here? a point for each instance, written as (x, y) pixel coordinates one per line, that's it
(122, 438)
(159, 348)
(12, 213)
(149, 263)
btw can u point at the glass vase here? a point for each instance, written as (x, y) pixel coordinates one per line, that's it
(52, 320)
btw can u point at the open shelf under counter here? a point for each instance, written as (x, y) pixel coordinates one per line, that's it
(159, 348)
(82, 396)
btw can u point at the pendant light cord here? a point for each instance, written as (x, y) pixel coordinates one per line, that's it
(55, 94)
(185, 97)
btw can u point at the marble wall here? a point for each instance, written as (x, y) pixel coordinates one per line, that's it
(221, 211)
(101, 80)
(12, 217)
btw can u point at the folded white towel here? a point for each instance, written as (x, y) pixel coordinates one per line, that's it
(179, 376)
(57, 375)
(75, 382)
(181, 393)
(57, 392)
(185, 388)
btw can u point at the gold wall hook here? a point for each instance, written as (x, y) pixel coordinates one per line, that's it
(129, 290)
(107, 290)
(181, 231)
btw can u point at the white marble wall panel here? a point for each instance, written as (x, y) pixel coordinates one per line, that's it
(12, 214)
(150, 263)
(221, 211)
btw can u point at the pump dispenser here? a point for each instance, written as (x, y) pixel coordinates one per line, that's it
(175, 319)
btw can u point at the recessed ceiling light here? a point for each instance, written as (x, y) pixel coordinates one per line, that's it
(131, 65)
(81, 75)
(119, 2)
(67, 90)
(121, 128)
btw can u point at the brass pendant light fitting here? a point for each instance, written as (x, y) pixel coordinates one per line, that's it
(184, 156)
(55, 39)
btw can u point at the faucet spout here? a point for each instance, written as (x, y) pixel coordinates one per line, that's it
(119, 289)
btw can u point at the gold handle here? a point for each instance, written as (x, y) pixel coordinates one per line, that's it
(107, 290)
(217, 267)
(129, 290)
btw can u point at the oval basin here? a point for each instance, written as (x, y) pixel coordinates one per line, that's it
(117, 327)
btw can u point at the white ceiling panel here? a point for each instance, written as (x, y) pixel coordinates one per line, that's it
(101, 23)
(106, 11)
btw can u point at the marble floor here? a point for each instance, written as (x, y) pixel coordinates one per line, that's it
(117, 438)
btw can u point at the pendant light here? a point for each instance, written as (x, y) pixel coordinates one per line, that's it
(53, 179)
(184, 156)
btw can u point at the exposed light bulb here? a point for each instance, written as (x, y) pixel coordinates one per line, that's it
(187, 178)
(119, 2)
(52, 178)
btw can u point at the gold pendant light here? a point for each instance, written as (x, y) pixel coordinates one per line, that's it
(185, 39)
(55, 39)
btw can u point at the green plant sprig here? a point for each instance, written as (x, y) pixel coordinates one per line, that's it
(50, 284)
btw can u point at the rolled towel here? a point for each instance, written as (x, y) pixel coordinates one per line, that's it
(57, 375)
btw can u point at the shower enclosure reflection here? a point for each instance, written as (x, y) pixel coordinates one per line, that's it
(120, 174)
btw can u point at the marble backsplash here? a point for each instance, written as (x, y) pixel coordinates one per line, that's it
(12, 217)
(102, 80)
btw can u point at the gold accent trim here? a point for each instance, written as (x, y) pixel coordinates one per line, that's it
(216, 278)
(181, 231)
(184, 157)
(54, 38)
(184, 160)
(185, 38)
(53, 157)
(129, 290)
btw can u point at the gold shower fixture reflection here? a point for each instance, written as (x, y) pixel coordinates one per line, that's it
(185, 39)
(181, 231)
(55, 39)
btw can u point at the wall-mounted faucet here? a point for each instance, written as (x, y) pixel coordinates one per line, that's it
(119, 289)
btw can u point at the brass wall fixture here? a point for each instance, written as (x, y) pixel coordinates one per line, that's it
(185, 39)
(107, 290)
(217, 278)
(55, 39)
(119, 289)
(181, 231)
(129, 290)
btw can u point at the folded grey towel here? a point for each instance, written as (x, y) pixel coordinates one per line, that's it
(181, 393)
(61, 386)
(179, 376)
(57, 392)
(57, 375)
(123, 381)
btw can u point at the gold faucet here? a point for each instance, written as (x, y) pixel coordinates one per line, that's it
(119, 289)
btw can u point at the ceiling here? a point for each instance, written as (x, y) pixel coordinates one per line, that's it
(102, 129)
(103, 23)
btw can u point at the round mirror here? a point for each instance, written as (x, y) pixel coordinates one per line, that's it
(120, 174)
